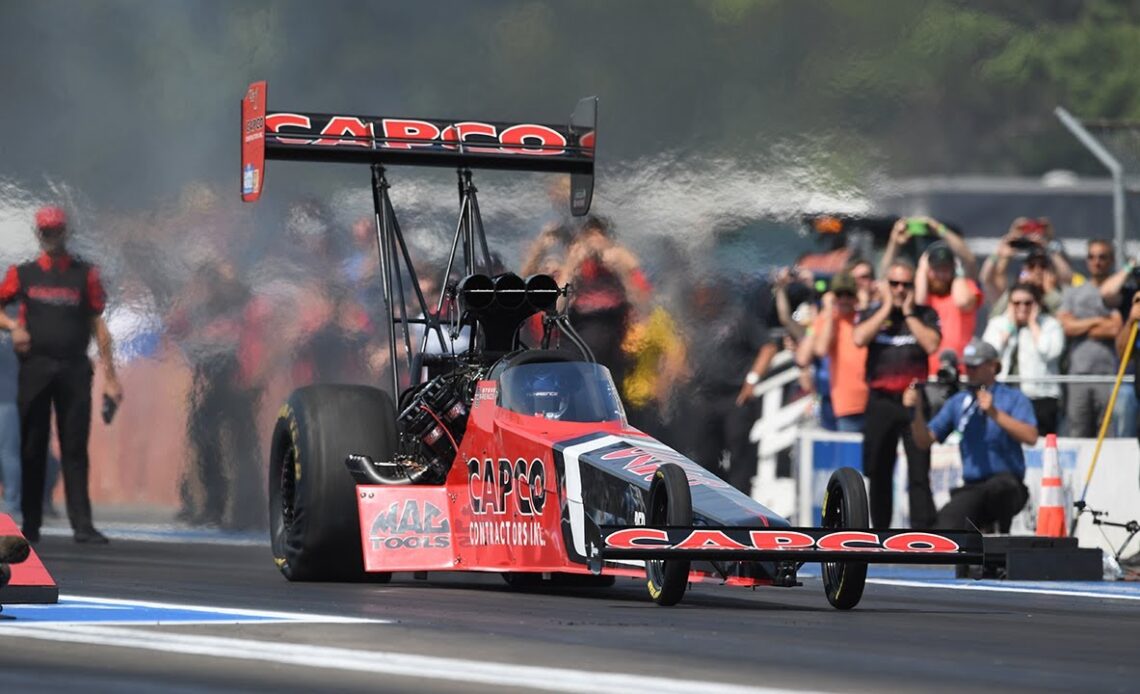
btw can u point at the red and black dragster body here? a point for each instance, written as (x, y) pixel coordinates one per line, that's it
(508, 458)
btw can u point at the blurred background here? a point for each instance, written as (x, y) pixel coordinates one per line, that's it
(723, 125)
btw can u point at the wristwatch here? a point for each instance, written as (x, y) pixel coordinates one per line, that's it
(752, 378)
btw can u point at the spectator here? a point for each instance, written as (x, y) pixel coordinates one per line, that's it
(1046, 266)
(1118, 290)
(360, 266)
(790, 288)
(1091, 327)
(1030, 343)
(721, 420)
(994, 420)
(547, 253)
(903, 237)
(833, 339)
(815, 377)
(62, 302)
(658, 362)
(866, 291)
(608, 285)
(213, 327)
(955, 298)
(899, 336)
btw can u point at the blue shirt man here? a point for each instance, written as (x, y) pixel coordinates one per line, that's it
(994, 421)
(986, 448)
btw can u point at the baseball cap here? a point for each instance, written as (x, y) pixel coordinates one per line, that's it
(843, 282)
(979, 352)
(50, 217)
(940, 255)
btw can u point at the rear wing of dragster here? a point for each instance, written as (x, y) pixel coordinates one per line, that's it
(519, 146)
(717, 543)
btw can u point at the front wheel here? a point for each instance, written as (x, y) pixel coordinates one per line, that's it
(670, 503)
(845, 507)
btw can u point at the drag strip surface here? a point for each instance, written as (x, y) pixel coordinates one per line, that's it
(471, 631)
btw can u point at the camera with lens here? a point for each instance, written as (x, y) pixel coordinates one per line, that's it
(1031, 233)
(947, 374)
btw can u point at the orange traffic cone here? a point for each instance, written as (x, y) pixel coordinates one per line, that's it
(1051, 506)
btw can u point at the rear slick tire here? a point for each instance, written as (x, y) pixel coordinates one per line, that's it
(670, 503)
(845, 507)
(314, 524)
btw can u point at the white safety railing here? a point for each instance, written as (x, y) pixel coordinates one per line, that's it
(777, 430)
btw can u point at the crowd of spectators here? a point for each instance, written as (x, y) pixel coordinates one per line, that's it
(1044, 319)
(1034, 313)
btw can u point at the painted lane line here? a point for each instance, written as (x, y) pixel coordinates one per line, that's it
(167, 535)
(81, 611)
(381, 662)
(237, 611)
(1004, 589)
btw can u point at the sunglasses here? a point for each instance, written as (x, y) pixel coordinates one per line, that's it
(843, 293)
(1023, 303)
(1100, 256)
(897, 283)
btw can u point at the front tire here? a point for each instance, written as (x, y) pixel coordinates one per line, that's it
(313, 519)
(845, 507)
(670, 503)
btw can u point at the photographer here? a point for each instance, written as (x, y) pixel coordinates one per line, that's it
(1045, 266)
(1030, 342)
(994, 421)
(899, 336)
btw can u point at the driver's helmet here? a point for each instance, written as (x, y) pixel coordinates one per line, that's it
(549, 396)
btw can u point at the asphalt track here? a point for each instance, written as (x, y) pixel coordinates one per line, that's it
(472, 633)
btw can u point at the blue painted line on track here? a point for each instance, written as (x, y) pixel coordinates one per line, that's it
(77, 612)
(943, 576)
(80, 610)
(164, 533)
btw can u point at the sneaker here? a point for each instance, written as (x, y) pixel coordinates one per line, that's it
(32, 536)
(90, 536)
(13, 549)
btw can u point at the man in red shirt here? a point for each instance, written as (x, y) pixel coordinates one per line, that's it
(955, 298)
(61, 301)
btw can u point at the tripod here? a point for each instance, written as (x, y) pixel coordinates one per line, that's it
(1133, 527)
